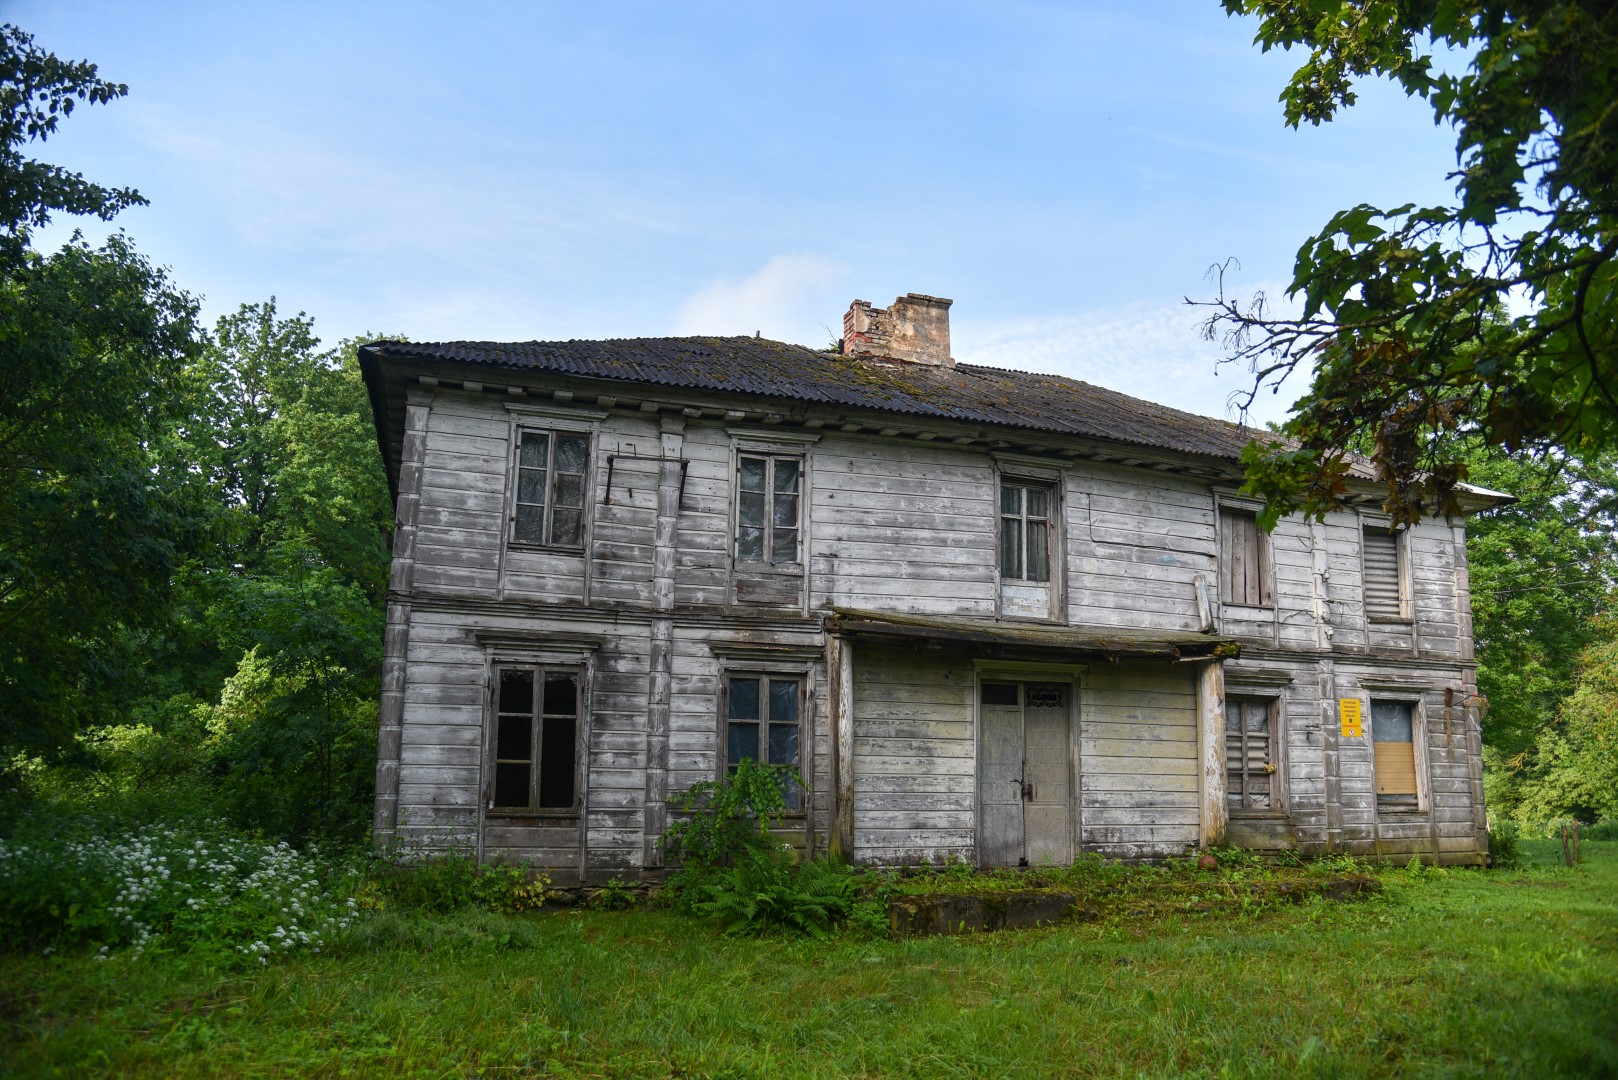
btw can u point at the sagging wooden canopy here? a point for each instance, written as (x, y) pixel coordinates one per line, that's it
(999, 640)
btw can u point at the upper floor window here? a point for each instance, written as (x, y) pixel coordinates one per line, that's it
(1243, 560)
(549, 501)
(1025, 531)
(767, 509)
(1384, 580)
(535, 744)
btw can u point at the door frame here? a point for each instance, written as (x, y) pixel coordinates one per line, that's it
(1069, 675)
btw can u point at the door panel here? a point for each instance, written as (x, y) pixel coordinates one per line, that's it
(1047, 809)
(1000, 813)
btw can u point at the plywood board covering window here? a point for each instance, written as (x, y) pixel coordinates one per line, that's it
(549, 502)
(1243, 560)
(762, 724)
(1384, 589)
(1025, 531)
(1393, 729)
(767, 509)
(1251, 769)
(535, 744)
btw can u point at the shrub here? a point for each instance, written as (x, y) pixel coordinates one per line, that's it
(1504, 851)
(446, 883)
(184, 886)
(727, 818)
(765, 891)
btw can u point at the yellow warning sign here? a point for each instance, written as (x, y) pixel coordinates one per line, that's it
(1349, 709)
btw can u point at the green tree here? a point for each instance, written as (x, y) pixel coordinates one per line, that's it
(93, 340)
(1429, 329)
(1575, 773)
(280, 622)
(1543, 572)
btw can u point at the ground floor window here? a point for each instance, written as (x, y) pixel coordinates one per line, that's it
(1393, 738)
(536, 729)
(761, 723)
(1250, 762)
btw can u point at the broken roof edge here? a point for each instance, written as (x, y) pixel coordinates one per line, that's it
(1093, 642)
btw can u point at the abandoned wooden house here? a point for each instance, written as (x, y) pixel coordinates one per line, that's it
(986, 615)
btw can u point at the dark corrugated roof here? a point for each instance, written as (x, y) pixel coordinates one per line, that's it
(746, 365)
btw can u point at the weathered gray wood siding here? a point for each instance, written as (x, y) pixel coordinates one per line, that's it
(1138, 760)
(911, 532)
(904, 526)
(1137, 540)
(914, 757)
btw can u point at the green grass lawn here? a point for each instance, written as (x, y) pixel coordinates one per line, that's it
(1454, 973)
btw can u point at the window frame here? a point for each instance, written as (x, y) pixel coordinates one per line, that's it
(771, 456)
(1418, 750)
(1024, 483)
(1262, 554)
(539, 669)
(765, 674)
(553, 428)
(1401, 554)
(1273, 707)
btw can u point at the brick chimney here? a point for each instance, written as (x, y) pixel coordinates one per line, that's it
(914, 328)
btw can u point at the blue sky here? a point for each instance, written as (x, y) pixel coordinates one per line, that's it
(1066, 172)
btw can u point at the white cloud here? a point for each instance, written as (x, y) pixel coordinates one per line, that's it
(1147, 350)
(786, 299)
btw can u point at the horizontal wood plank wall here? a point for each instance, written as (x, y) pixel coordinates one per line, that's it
(703, 536)
(1138, 760)
(914, 757)
(902, 528)
(461, 522)
(1136, 543)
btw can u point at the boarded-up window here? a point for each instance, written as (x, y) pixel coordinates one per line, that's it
(761, 724)
(767, 498)
(549, 504)
(1025, 531)
(535, 744)
(1250, 765)
(1384, 588)
(1243, 573)
(1393, 725)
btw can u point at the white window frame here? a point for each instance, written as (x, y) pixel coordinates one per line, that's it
(770, 457)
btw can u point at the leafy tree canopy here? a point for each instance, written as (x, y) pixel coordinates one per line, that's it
(1429, 329)
(93, 340)
(36, 91)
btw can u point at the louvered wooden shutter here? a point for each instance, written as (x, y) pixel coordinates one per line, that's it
(1382, 591)
(1248, 770)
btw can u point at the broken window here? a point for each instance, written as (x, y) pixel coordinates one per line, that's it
(535, 744)
(1243, 569)
(761, 724)
(1384, 581)
(1393, 741)
(1251, 767)
(548, 508)
(1025, 531)
(767, 509)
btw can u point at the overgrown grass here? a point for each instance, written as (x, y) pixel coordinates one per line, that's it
(1453, 972)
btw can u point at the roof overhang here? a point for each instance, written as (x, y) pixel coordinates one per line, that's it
(1010, 640)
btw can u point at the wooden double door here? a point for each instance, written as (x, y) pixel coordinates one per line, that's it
(1025, 787)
